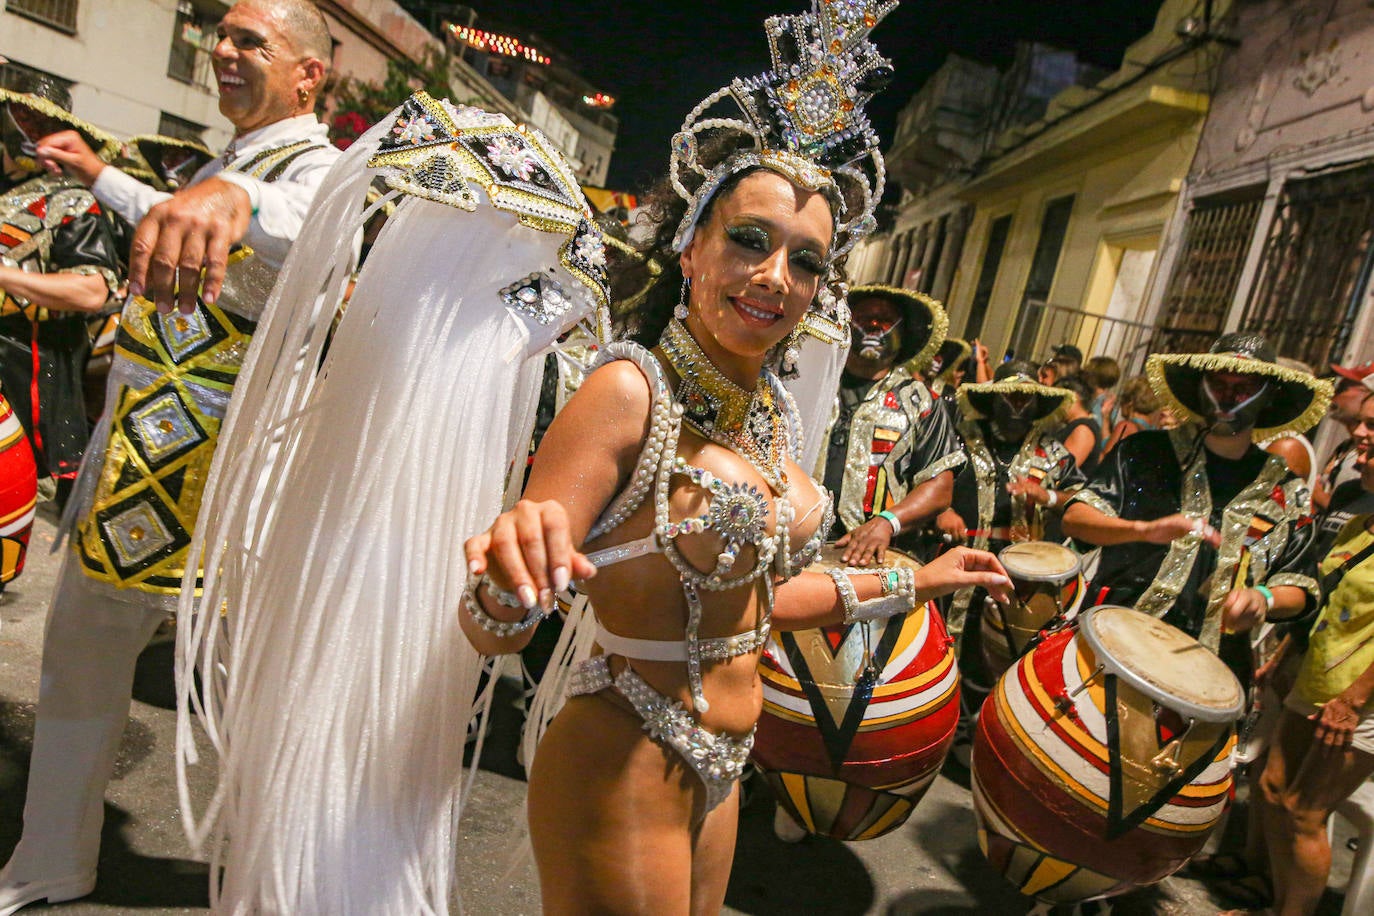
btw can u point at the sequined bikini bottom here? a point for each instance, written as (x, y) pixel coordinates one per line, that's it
(718, 760)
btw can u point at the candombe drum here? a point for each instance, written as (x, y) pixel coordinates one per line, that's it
(18, 494)
(1101, 762)
(857, 719)
(1048, 583)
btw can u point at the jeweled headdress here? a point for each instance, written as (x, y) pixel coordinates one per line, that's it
(805, 116)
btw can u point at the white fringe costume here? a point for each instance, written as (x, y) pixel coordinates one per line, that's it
(339, 685)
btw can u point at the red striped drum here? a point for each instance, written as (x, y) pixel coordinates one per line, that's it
(857, 719)
(18, 494)
(1048, 583)
(1101, 762)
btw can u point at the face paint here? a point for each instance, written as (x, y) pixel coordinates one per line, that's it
(1013, 416)
(1234, 401)
(876, 344)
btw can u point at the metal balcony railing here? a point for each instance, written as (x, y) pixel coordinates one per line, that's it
(1040, 327)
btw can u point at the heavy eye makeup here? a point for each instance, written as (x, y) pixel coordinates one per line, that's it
(756, 238)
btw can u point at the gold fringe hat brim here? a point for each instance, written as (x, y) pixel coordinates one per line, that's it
(914, 304)
(104, 145)
(148, 145)
(1051, 402)
(1300, 402)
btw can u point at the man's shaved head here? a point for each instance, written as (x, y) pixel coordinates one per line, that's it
(303, 22)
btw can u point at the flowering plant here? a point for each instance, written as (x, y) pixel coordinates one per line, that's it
(348, 126)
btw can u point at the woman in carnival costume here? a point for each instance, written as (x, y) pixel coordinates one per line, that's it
(339, 684)
(689, 504)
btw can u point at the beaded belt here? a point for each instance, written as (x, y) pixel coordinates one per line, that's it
(718, 760)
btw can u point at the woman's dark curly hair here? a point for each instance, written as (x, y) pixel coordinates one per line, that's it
(646, 286)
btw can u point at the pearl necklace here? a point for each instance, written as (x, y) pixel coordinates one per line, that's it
(749, 423)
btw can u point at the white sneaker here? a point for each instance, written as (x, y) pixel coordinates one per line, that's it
(15, 895)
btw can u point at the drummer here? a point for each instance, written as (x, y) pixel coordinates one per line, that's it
(892, 452)
(1197, 524)
(1016, 474)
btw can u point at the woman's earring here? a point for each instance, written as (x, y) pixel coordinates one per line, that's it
(680, 312)
(791, 355)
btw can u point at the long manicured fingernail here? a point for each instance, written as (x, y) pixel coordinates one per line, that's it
(561, 578)
(528, 597)
(546, 599)
(135, 289)
(475, 567)
(1001, 580)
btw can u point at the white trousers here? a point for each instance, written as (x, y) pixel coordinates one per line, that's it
(90, 649)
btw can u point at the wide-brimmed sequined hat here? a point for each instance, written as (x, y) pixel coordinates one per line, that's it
(1018, 377)
(1297, 400)
(156, 150)
(50, 98)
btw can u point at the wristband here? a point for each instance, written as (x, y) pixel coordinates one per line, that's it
(1053, 499)
(1268, 597)
(892, 520)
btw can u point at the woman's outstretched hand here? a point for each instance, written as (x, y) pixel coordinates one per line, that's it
(962, 567)
(529, 551)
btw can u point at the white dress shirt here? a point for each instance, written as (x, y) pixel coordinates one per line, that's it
(279, 207)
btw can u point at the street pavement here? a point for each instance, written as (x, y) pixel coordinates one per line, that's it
(931, 865)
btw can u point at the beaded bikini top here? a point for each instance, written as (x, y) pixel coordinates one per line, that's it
(737, 513)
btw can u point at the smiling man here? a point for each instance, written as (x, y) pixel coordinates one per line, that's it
(137, 500)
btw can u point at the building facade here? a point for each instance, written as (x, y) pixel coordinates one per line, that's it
(1276, 228)
(143, 66)
(1071, 209)
(1036, 201)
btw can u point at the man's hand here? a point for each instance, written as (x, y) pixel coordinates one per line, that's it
(65, 153)
(867, 544)
(1336, 722)
(180, 237)
(1170, 528)
(1034, 492)
(952, 526)
(1242, 610)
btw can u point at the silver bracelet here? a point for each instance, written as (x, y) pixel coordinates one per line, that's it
(848, 597)
(898, 597)
(500, 628)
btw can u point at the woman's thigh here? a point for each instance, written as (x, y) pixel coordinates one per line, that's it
(1310, 777)
(713, 853)
(611, 816)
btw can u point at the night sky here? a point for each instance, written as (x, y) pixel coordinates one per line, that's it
(660, 58)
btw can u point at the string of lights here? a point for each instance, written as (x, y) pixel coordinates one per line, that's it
(497, 44)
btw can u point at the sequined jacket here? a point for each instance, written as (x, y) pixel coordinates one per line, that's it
(170, 385)
(994, 518)
(1267, 535)
(50, 224)
(893, 440)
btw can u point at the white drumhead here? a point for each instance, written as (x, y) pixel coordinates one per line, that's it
(1163, 662)
(1039, 561)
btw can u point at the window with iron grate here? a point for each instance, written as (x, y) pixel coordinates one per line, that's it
(60, 14)
(1205, 278)
(1316, 266)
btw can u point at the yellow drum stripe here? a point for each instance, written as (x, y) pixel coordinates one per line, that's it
(1045, 703)
(897, 812)
(1048, 873)
(921, 680)
(870, 723)
(1042, 760)
(795, 784)
(19, 513)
